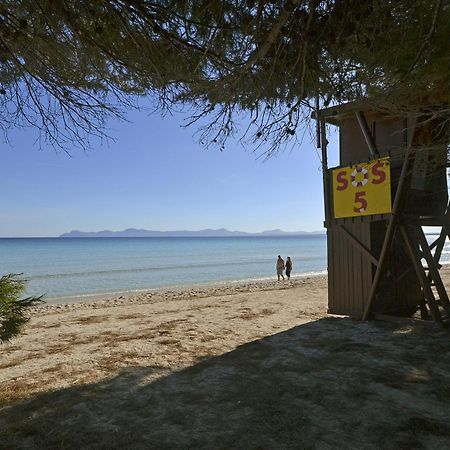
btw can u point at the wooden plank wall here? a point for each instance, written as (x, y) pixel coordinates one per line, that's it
(349, 271)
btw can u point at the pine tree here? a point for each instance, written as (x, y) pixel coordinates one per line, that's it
(66, 65)
(14, 312)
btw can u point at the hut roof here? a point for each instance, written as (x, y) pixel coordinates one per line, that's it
(335, 114)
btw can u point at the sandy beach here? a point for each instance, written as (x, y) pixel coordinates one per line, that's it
(248, 366)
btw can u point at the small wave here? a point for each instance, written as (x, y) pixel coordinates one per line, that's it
(140, 269)
(315, 273)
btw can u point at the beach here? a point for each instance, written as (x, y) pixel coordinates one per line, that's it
(242, 365)
(174, 327)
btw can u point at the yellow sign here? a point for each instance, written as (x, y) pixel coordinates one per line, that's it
(363, 189)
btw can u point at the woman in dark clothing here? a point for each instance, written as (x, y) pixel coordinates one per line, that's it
(288, 267)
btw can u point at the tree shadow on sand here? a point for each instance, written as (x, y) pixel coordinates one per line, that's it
(333, 383)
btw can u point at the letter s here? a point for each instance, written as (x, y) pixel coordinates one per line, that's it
(378, 172)
(343, 181)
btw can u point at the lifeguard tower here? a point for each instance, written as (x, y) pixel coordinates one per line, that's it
(391, 181)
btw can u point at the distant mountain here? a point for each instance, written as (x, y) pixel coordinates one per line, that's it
(221, 232)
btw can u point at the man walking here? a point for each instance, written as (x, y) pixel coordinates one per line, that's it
(280, 267)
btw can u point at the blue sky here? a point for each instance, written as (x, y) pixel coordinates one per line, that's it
(156, 176)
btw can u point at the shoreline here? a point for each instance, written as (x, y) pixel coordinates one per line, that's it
(225, 285)
(186, 293)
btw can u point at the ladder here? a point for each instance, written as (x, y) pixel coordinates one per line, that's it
(435, 298)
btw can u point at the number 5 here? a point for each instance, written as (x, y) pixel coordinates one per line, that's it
(359, 199)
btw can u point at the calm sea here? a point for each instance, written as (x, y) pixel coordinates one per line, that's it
(82, 266)
(85, 266)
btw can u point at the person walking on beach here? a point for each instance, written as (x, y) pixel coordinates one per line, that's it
(288, 267)
(280, 267)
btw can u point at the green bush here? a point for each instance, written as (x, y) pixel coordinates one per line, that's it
(14, 312)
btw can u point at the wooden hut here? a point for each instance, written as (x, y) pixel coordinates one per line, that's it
(391, 180)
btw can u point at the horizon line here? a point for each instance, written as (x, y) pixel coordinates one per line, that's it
(166, 232)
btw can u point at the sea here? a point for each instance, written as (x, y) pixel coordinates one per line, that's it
(76, 269)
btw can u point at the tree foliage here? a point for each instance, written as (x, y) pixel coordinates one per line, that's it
(13, 309)
(67, 64)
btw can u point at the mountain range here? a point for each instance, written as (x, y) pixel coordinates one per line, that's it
(221, 232)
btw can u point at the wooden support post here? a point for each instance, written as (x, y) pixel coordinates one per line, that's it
(390, 232)
(326, 187)
(440, 241)
(367, 135)
(420, 271)
(318, 137)
(439, 244)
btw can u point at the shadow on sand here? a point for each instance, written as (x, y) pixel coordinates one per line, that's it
(331, 384)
